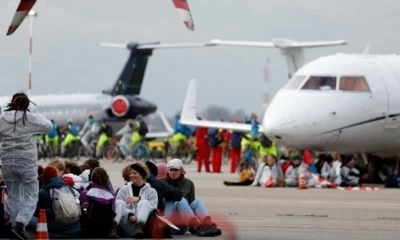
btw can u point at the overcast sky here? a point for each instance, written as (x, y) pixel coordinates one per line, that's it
(67, 58)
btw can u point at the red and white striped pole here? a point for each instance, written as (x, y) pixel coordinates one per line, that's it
(32, 14)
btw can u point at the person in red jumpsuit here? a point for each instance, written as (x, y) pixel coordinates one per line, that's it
(203, 153)
(217, 152)
(234, 151)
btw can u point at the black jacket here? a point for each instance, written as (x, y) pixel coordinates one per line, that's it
(164, 192)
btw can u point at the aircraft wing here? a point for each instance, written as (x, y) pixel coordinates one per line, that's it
(241, 43)
(154, 45)
(279, 43)
(22, 11)
(189, 114)
(183, 9)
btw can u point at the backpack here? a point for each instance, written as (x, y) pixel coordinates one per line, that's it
(67, 209)
(236, 140)
(214, 138)
(73, 130)
(143, 130)
(265, 141)
(53, 131)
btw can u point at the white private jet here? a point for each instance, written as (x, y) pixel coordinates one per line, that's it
(344, 103)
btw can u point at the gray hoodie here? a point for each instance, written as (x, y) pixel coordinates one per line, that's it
(21, 144)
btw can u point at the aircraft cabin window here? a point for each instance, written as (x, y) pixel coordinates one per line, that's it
(320, 83)
(295, 82)
(355, 84)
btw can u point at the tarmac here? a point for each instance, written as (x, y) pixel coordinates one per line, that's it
(290, 213)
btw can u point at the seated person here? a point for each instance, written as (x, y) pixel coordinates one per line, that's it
(192, 210)
(267, 173)
(72, 171)
(291, 174)
(98, 205)
(162, 170)
(52, 181)
(246, 178)
(140, 201)
(327, 168)
(350, 175)
(164, 191)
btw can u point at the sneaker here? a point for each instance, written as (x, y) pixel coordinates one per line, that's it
(202, 231)
(18, 234)
(215, 230)
(114, 229)
(138, 231)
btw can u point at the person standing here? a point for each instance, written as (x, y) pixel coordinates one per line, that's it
(203, 153)
(18, 130)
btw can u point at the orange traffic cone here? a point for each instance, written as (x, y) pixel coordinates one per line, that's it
(41, 230)
(302, 182)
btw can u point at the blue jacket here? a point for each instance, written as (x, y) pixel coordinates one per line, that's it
(45, 202)
(180, 128)
(254, 128)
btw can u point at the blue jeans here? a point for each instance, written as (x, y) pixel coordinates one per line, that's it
(186, 210)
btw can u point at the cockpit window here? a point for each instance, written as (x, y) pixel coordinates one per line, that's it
(320, 83)
(295, 82)
(354, 83)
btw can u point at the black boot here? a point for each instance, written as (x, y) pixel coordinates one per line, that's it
(138, 231)
(18, 233)
(114, 228)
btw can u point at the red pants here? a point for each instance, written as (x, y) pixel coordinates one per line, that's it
(203, 155)
(216, 159)
(234, 155)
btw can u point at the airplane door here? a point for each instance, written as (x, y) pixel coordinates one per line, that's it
(391, 81)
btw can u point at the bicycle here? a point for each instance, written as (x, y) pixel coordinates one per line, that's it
(185, 152)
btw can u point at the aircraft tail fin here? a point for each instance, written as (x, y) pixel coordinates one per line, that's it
(22, 11)
(131, 78)
(291, 49)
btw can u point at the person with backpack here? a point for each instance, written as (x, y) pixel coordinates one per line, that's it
(62, 205)
(267, 147)
(143, 128)
(53, 136)
(19, 157)
(105, 134)
(235, 149)
(215, 141)
(72, 135)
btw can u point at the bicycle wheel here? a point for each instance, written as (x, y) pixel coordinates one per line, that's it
(140, 152)
(111, 153)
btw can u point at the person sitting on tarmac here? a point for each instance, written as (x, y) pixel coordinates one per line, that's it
(72, 135)
(291, 174)
(267, 173)
(105, 134)
(165, 192)
(140, 201)
(195, 215)
(53, 136)
(350, 175)
(87, 131)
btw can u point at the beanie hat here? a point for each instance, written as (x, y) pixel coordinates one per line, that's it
(69, 181)
(138, 167)
(48, 173)
(162, 168)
